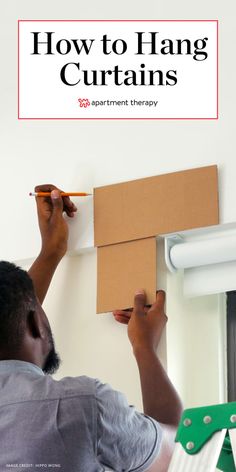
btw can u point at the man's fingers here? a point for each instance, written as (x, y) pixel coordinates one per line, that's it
(159, 304)
(57, 204)
(68, 206)
(160, 297)
(44, 188)
(57, 200)
(122, 319)
(122, 316)
(124, 313)
(139, 301)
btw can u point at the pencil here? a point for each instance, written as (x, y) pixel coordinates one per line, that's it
(63, 194)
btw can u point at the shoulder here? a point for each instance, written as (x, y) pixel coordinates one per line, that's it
(68, 386)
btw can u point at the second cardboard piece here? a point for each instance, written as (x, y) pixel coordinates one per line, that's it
(123, 268)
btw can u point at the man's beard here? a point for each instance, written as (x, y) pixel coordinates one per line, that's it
(53, 361)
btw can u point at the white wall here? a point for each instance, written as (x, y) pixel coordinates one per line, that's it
(81, 155)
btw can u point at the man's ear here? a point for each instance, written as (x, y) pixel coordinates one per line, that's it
(33, 324)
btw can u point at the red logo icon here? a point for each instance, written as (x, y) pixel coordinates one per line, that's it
(84, 102)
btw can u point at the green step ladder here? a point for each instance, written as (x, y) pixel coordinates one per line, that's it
(206, 440)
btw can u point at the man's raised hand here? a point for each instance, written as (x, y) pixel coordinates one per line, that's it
(52, 224)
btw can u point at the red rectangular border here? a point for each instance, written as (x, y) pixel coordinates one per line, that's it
(118, 119)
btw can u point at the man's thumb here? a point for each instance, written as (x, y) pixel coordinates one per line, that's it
(57, 203)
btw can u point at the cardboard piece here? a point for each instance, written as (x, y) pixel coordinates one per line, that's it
(156, 205)
(122, 269)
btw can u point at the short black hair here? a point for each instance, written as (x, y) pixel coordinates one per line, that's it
(17, 299)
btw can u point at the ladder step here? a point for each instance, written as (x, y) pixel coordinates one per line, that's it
(232, 435)
(204, 461)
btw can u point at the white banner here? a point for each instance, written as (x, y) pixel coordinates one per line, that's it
(118, 69)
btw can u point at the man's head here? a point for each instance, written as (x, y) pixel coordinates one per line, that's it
(25, 332)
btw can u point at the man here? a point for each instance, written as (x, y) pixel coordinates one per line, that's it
(75, 424)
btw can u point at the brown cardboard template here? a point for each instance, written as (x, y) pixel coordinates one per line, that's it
(155, 205)
(123, 268)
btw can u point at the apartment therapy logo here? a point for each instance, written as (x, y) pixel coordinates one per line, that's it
(122, 68)
(147, 43)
